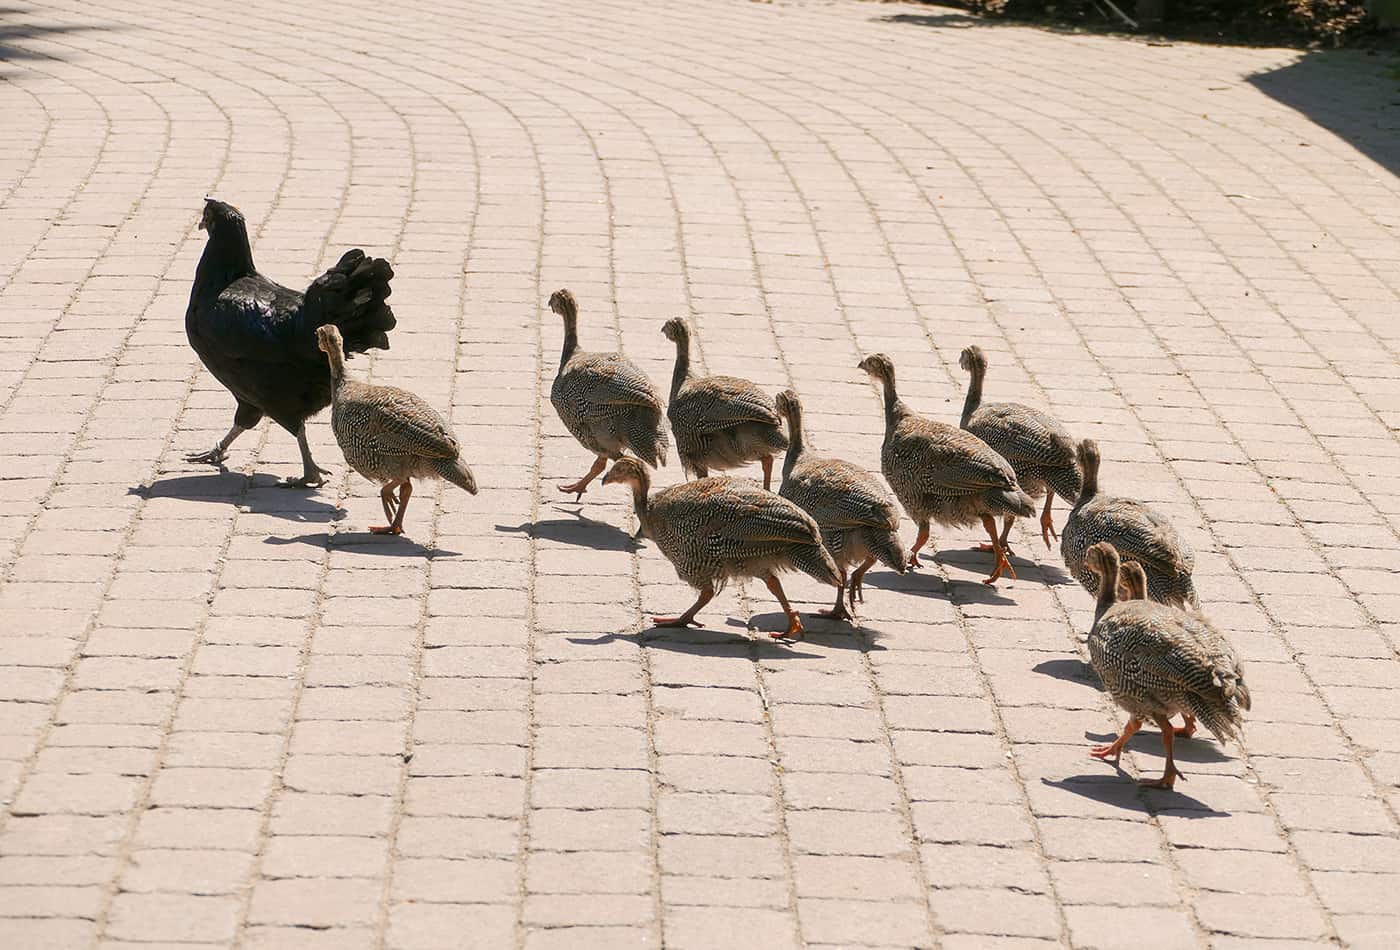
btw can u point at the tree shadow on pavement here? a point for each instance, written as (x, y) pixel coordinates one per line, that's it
(17, 26)
(261, 494)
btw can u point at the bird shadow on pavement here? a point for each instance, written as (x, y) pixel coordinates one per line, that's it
(1122, 791)
(818, 630)
(581, 532)
(259, 493)
(699, 641)
(366, 542)
(1071, 671)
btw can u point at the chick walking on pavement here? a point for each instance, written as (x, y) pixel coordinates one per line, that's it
(390, 436)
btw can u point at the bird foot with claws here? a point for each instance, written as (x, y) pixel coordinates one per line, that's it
(681, 621)
(386, 529)
(214, 456)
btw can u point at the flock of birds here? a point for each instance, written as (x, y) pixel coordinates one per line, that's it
(282, 354)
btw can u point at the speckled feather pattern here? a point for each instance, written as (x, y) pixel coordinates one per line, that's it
(942, 473)
(1038, 448)
(1157, 660)
(856, 514)
(715, 529)
(389, 435)
(611, 407)
(723, 422)
(1140, 534)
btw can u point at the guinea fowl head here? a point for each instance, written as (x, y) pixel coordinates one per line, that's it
(1102, 560)
(973, 360)
(563, 303)
(787, 403)
(1087, 452)
(676, 330)
(1132, 581)
(628, 471)
(329, 342)
(879, 366)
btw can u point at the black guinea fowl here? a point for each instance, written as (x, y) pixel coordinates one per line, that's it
(258, 338)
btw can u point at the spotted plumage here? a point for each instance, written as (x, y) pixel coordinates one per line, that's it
(1039, 449)
(1156, 661)
(858, 519)
(720, 422)
(390, 436)
(1137, 530)
(605, 401)
(716, 529)
(941, 473)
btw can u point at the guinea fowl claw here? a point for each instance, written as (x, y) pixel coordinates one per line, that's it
(306, 481)
(385, 529)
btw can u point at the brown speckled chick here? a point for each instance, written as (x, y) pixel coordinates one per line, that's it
(389, 436)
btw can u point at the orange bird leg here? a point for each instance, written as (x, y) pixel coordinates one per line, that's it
(707, 593)
(767, 463)
(1170, 774)
(857, 585)
(391, 504)
(581, 486)
(1188, 730)
(1047, 526)
(1007, 522)
(794, 627)
(839, 611)
(998, 552)
(918, 543)
(1114, 750)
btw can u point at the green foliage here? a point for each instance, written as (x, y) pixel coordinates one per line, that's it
(1322, 22)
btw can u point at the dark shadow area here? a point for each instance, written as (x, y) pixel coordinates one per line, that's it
(18, 24)
(1193, 749)
(704, 642)
(582, 532)
(380, 545)
(1071, 671)
(261, 494)
(1122, 791)
(1350, 93)
(816, 629)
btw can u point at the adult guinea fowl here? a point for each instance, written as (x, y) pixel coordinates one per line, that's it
(605, 401)
(1157, 660)
(1138, 532)
(1040, 450)
(857, 517)
(389, 435)
(941, 473)
(720, 422)
(258, 338)
(715, 529)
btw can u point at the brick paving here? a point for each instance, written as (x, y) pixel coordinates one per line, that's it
(229, 716)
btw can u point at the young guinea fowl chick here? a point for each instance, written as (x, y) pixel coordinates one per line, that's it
(1157, 660)
(857, 517)
(944, 474)
(258, 338)
(1132, 585)
(1135, 529)
(605, 401)
(720, 422)
(715, 529)
(390, 436)
(1039, 449)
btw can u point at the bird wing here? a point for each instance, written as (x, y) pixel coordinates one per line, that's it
(1021, 434)
(1149, 537)
(948, 460)
(715, 403)
(839, 494)
(610, 379)
(400, 423)
(737, 511)
(254, 318)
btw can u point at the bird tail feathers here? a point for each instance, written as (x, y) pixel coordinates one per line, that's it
(352, 296)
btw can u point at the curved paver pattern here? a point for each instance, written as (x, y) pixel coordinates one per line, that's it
(228, 716)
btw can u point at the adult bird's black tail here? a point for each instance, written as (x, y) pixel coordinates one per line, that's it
(352, 296)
